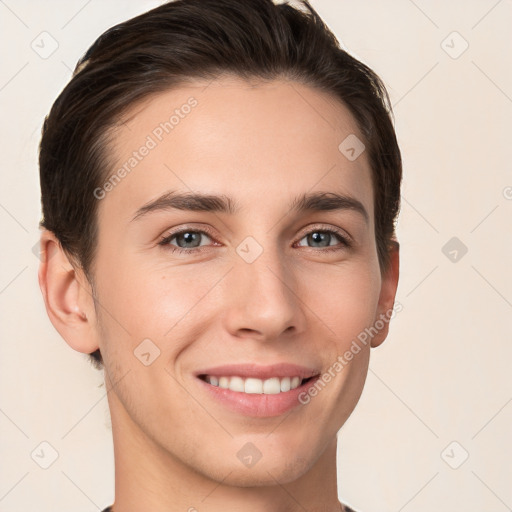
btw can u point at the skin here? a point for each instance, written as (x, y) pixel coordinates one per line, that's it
(262, 144)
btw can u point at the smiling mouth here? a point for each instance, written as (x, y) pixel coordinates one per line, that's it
(250, 385)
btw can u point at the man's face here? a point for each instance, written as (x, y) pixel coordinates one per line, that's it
(268, 285)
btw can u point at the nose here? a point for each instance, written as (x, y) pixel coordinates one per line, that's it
(261, 300)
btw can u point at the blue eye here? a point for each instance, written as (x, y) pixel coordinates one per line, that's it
(189, 240)
(324, 238)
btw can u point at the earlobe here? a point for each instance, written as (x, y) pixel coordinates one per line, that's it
(67, 296)
(387, 295)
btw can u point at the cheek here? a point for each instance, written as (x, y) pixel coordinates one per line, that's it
(135, 294)
(344, 299)
(160, 303)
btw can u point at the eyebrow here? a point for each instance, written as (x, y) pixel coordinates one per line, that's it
(197, 202)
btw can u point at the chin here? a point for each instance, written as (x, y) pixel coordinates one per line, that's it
(266, 476)
(273, 466)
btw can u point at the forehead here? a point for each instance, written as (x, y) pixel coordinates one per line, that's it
(257, 141)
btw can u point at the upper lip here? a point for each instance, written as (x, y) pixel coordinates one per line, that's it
(260, 371)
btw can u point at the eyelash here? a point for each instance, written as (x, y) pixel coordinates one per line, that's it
(165, 241)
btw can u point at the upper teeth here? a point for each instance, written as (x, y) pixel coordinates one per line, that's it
(271, 386)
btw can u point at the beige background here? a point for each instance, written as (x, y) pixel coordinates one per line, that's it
(443, 374)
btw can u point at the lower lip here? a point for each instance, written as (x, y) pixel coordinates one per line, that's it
(258, 405)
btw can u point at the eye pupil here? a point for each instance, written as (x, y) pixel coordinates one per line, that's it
(188, 237)
(321, 238)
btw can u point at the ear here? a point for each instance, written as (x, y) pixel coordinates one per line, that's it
(67, 296)
(387, 295)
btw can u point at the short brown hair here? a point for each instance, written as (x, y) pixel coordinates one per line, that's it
(200, 39)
